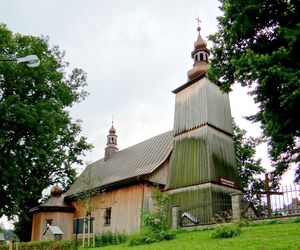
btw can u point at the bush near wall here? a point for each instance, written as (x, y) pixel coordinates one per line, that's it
(44, 245)
(110, 238)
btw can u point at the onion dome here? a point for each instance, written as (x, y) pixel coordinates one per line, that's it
(56, 191)
(200, 55)
(112, 130)
(200, 43)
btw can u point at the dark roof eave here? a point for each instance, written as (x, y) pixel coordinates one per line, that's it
(52, 209)
(190, 82)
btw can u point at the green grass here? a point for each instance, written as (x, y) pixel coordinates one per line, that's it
(280, 236)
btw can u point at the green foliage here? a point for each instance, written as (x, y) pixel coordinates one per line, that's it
(157, 220)
(154, 224)
(109, 238)
(45, 245)
(297, 220)
(88, 182)
(39, 141)
(248, 167)
(257, 45)
(147, 237)
(271, 222)
(243, 223)
(226, 231)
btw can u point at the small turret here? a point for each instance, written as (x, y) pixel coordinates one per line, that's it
(200, 55)
(111, 148)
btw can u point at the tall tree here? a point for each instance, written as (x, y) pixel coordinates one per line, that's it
(258, 44)
(249, 168)
(39, 141)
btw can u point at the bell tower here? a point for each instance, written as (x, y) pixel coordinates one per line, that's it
(111, 145)
(202, 165)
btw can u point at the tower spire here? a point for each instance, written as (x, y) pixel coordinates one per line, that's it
(200, 55)
(111, 145)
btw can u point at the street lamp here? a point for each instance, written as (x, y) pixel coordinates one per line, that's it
(31, 61)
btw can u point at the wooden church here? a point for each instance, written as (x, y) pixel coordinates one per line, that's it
(194, 163)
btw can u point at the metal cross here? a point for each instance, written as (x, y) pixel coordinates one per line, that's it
(199, 21)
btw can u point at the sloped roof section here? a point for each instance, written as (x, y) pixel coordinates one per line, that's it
(54, 203)
(133, 162)
(54, 229)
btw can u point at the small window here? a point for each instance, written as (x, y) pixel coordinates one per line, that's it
(201, 57)
(107, 216)
(196, 58)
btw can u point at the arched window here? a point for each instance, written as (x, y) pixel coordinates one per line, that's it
(201, 57)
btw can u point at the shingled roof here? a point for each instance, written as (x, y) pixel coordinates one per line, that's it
(54, 203)
(126, 165)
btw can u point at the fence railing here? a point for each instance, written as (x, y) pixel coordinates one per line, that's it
(207, 213)
(284, 202)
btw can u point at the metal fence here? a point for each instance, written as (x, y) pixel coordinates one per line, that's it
(284, 202)
(205, 213)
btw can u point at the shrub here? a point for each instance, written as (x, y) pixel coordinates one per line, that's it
(271, 222)
(141, 238)
(154, 224)
(109, 238)
(44, 245)
(226, 231)
(147, 237)
(297, 220)
(243, 223)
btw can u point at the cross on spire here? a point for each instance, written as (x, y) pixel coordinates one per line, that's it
(199, 21)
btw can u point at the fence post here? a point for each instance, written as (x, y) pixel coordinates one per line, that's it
(176, 213)
(236, 205)
(10, 245)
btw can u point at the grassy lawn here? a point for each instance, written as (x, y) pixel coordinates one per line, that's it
(280, 235)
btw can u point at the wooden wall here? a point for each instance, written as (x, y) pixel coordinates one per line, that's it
(126, 203)
(62, 219)
(160, 174)
(126, 206)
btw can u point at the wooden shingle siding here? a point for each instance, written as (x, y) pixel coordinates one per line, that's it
(160, 175)
(202, 201)
(202, 103)
(201, 155)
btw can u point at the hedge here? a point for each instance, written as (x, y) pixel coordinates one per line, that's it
(44, 245)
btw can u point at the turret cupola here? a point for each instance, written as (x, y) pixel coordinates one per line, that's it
(111, 147)
(200, 55)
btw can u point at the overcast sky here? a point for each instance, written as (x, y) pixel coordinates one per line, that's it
(134, 52)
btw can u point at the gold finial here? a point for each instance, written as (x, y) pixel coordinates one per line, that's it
(199, 21)
(112, 120)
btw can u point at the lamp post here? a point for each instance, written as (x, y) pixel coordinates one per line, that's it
(31, 61)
